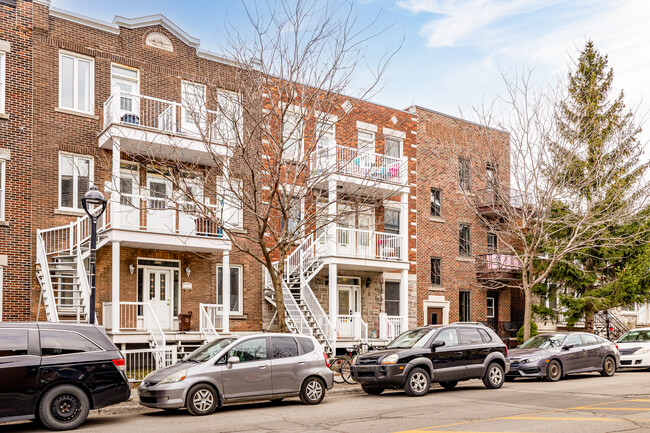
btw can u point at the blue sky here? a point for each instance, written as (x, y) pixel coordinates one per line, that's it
(454, 51)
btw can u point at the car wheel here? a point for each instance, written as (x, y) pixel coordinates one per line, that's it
(494, 376)
(417, 383)
(312, 391)
(609, 367)
(64, 407)
(553, 371)
(372, 391)
(449, 385)
(202, 399)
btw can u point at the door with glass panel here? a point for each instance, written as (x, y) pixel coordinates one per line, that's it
(349, 304)
(365, 234)
(129, 209)
(125, 85)
(161, 214)
(192, 197)
(158, 294)
(193, 109)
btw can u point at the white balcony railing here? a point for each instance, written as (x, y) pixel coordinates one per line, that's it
(210, 319)
(154, 114)
(389, 326)
(352, 326)
(368, 244)
(135, 316)
(359, 163)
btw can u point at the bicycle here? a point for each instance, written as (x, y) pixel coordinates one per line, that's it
(342, 364)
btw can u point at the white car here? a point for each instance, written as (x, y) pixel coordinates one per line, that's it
(634, 347)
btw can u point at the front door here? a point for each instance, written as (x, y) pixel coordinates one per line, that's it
(161, 215)
(125, 81)
(448, 361)
(349, 304)
(251, 376)
(434, 316)
(573, 358)
(159, 295)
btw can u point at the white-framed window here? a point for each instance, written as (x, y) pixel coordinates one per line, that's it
(3, 188)
(193, 107)
(295, 212)
(229, 201)
(326, 135)
(75, 177)
(490, 308)
(236, 288)
(3, 82)
(366, 141)
(127, 81)
(393, 147)
(292, 136)
(229, 122)
(76, 82)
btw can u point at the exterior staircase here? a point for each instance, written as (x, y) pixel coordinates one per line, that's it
(604, 320)
(304, 314)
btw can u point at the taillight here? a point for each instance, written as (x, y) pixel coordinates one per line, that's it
(327, 360)
(506, 351)
(120, 364)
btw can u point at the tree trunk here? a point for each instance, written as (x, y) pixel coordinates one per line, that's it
(528, 310)
(589, 321)
(279, 303)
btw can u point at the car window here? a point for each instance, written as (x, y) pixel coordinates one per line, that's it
(250, 350)
(635, 336)
(209, 350)
(543, 341)
(284, 347)
(13, 342)
(306, 344)
(573, 339)
(589, 340)
(411, 339)
(449, 336)
(65, 343)
(470, 336)
(486, 336)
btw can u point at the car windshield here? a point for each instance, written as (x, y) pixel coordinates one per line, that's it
(543, 342)
(206, 352)
(635, 336)
(409, 339)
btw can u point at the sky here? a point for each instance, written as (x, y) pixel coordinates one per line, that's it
(454, 52)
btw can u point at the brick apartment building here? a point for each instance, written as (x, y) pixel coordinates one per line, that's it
(16, 124)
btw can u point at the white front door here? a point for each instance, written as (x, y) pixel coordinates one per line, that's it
(192, 195)
(349, 304)
(159, 295)
(129, 195)
(161, 214)
(126, 80)
(193, 111)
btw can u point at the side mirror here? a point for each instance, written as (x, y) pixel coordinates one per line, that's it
(233, 360)
(436, 344)
(567, 346)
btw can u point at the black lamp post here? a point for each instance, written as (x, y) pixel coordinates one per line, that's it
(96, 198)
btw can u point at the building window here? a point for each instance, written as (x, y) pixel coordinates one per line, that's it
(229, 124)
(490, 177)
(491, 243)
(464, 174)
(393, 147)
(391, 221)
(292, 135)
(490, 307)
(436, 271)
(436, 202)
(3, 187)
(229, 195)
(3, 81)
(391, 300)
(236, 293)
(76, 82)
(366, 141)
(193, 110)
(464, 239)
(75, 176)
(464, 306)
(294, 209)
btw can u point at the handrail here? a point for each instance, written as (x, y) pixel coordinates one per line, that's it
(157, 343)
(294, 314)
(41, 258)
(206, 326)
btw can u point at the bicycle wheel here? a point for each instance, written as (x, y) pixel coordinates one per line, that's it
(346, 372)
(335, 366)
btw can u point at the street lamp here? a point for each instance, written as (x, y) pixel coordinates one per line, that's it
(93, 197)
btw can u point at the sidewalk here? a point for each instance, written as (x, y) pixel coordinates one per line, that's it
(133, 406)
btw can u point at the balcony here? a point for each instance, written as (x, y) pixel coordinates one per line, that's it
(144, 125)
(498, 267)
(354, 168)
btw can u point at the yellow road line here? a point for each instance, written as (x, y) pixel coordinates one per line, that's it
(611, 408)
(560, 418)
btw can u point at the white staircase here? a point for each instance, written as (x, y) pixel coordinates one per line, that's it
(304, 314)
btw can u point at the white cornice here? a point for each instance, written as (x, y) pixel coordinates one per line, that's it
(157, 19)
(84, 20)
(43, 2)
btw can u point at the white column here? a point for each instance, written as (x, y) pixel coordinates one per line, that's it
(115, 286)
(333, 295)
(115, 176)
(225, 289)
(331, 217)
(404, 299)
(404, 225)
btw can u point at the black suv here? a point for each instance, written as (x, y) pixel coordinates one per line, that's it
(55, 373)
(446, 354)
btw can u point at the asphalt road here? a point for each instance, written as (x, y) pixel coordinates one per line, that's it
(584, 403)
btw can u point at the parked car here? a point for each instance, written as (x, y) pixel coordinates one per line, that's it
(444, 354)
(230, 369)
(554, 355)
(634, 347)
(55, 373)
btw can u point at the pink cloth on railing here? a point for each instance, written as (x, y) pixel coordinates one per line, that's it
(502, 261)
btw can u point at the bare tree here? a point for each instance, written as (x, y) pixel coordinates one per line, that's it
(530, 203)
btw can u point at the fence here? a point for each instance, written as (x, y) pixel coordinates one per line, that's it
(140, 362)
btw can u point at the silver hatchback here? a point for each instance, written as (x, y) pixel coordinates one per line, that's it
(231, 369)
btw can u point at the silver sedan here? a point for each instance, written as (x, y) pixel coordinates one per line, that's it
(231, 369)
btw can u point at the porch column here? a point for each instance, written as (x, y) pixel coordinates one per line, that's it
(404, 225)
(115, 176)
(404, 299)
(225, 290)
(115, 286)
(333, 295)
(331, 218)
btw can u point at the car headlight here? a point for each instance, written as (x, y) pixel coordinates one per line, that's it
(533, 359)
(175, 377)
(642, 351)
(390, 359)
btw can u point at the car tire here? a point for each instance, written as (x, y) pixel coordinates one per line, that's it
(449, 385)
(609, 367)
(312, 391)
(553, 371)
(372, 391)
(494, 376)
(64, 407)
(202, 399)
(417, 383)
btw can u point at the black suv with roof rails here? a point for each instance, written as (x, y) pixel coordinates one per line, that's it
(445, 354)
(55, 373)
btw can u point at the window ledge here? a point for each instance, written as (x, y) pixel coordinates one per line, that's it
(435, 288)
(467, 193)
(466, 259)
(76, 113)
(69, 212)
(4, 116)
(238, 316)
(4, 223)
(436, 219)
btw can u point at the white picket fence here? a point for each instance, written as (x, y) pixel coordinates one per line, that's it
(140, 362)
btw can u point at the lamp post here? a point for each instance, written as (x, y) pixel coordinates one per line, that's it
(93, 197)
